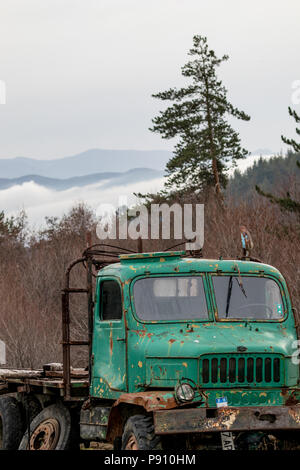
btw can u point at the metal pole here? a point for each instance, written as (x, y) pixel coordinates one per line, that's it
(90, 309)
(66, 344)
(140, 245)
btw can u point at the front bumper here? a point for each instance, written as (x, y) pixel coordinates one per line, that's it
(193, 420)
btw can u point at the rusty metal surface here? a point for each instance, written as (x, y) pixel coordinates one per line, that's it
(150, 401)
(66, 327)
(79, 387)
(45, 436)
(227, 419)
(74, 374)
(93, 422)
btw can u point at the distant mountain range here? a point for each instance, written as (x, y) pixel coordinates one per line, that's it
(85, 163)
(103, 168)
(107, 179)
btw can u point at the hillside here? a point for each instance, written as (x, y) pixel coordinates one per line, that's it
(275, 174)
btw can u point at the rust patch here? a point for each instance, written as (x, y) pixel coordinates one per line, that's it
(291, 399)
(295, 415)
(141, 333)
(151, 401)
(227, 419)
(111, 345)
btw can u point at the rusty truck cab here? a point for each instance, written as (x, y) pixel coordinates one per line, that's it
(174, 334)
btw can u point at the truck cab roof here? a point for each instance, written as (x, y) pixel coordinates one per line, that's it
(176, 262)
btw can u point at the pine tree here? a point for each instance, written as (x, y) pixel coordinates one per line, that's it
(198, 116)
(286, 203)
(292, 142)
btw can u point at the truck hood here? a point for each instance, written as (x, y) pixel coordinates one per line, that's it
(161, 356)
(193, 340)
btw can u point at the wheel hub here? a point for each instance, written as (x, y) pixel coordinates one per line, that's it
(45, 436)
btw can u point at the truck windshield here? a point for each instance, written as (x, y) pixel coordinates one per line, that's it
(245, 297)
(170, 298)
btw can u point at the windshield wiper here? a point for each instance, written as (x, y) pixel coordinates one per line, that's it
(228, 296)
(239, 281)
(229, 292)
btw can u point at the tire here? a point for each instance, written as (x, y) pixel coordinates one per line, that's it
(51, 429)
(139, 434)
(31, 407)
(10, 423)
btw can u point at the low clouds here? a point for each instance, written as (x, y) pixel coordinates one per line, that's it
(39, 202)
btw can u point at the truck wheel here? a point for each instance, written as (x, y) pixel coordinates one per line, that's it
(31, 407)
(10, 423)
(51, 429)
(139, 434)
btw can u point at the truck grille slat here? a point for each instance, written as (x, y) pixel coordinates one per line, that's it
(259, 375)
(250, 369)
(241, 369)
(276, 370)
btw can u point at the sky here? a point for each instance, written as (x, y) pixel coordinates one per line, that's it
(79, 74)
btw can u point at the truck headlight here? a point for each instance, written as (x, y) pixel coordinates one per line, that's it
(184, 392)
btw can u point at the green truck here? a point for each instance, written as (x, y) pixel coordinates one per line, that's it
(184, 353)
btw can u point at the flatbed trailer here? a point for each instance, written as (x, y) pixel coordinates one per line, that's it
(44, 382)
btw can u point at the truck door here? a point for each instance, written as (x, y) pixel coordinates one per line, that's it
(109, 341)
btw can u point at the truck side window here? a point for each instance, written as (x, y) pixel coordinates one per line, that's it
(110, 301)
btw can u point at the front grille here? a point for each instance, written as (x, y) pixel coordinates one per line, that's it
(241, 369)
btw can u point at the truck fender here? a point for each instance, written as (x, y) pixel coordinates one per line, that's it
(134, 403)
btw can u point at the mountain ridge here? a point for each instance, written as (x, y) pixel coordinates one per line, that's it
(60, 184)
(89, 162)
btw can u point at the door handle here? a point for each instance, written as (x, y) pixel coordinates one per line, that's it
(121, 339)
